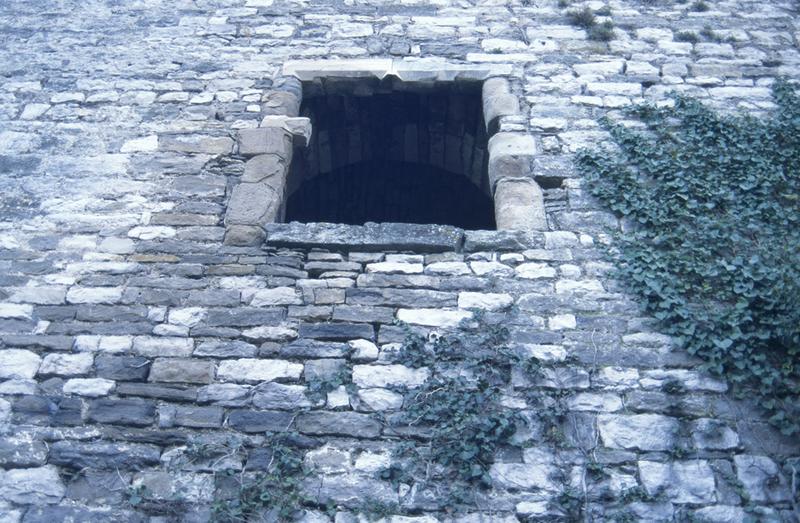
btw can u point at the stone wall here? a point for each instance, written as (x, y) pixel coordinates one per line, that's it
(130, 336)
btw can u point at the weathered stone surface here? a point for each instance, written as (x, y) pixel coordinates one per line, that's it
(228, 394)
(103, 455)
(264, 166)
(433, 317)
(761, 478)
(66, 364)
(484, 301)
(713, 434)
(18, 364)
(248, 369)
(320, 423)
(519, 205)
(153, 346)
(264, 140)
(388, 375)
(91, 387)
(363, 350)
(22, 450)
(32, 486)
(281, 397)
(122, 412)
(349, 490)
(369, 237)
(225, 349)
(181, 370)
(252, 204)
(336, 331)
(260, 420)
(193, 488)
(535, 473)
(376, 399)
(639, 431)
(272, 297)
(683, 482)
(198, 417)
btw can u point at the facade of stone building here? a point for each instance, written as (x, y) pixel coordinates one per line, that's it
(160, 324)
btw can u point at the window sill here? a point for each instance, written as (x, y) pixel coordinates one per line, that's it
(396, 237)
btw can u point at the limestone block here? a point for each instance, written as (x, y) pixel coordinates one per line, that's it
(33, 485)
(511, 155)
(281, 397)
(18, 364)
(67, 364)
(709, 433)
(270, 297)
(91, 387)
(227, 394)
(252, 204)
(196, 144)
(761, 478)
(384, 375)
(639, 431)
(363, 350)
(244, 235)
(153, 346)
(498, 101)
(595, 402)
(433, 317)
(389, 267)
(270, 333)
(298, 127)
(166, 486)
(280, 103)
(249, 369)
(264, 140)
(265, 166)
(377, 399)
(682, 482)
(484, 300)
(180, 370)
(519, 205)
(307, 70)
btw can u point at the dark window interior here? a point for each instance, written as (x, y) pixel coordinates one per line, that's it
(383, 153)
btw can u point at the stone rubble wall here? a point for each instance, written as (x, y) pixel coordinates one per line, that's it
(129, 334)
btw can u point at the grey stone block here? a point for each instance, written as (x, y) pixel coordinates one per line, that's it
(180, 370)
(336, 331)
(135, 412)
(152, 390)
(519, 205)
(103, 455)
(260, 420)
(265, 140)
(198, 417)
(368, 237)
(320, 423)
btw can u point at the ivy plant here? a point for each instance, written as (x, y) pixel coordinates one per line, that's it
(711, 204)
(458, 411)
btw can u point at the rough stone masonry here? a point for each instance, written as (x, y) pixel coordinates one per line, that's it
(130, 334)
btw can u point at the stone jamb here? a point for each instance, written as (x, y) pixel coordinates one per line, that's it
(259, 197)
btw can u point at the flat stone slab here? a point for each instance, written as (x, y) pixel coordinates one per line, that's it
(420, 70)
(368, 237)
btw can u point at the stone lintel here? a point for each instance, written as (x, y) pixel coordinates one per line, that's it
(368, 237)
(424, 70)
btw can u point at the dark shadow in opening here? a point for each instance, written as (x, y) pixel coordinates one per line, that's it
(391, 192)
